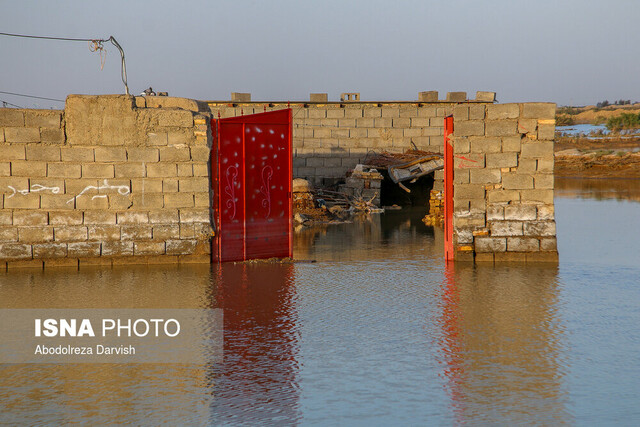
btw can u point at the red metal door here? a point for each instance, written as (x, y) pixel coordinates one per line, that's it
(252, 186)
(448, 190)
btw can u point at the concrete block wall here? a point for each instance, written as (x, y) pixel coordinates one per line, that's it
(503, 182)
(330, 139)
(106, 181)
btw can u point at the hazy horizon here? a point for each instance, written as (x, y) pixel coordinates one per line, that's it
(572, 52)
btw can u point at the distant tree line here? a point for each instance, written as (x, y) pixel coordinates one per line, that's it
(624, 121)
(606, 103)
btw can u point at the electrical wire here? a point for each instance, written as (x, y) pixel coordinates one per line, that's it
(31, 96)
(8, 103)
(95, 42)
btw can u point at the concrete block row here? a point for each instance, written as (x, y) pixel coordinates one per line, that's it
(93, 249)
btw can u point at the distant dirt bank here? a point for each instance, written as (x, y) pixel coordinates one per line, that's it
(597, 158)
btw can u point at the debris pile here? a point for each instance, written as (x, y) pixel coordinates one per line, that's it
(385, 159)
(363, 187)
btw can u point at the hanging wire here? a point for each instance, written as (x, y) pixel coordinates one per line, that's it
(5, 103)
(31, 96)
(97, 45)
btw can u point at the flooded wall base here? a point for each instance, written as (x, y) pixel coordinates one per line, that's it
(109, 180)
(503, 183)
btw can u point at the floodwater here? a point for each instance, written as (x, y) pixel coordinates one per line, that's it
(378, 331)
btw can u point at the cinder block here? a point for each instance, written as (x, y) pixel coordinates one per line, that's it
(20, 201)
(175, 118)
(180, 247)
(178, 200)
(506, 228)
(410, 112)
(469, 161)
(456, 96)
(546, 131)
(52, 136)
(173, 154)
(476, 112)
(77, 154)
(14, 251)
(194, 215)
(495, 213)
(65, 218)
(117, 248)
(240, 97)
(8, 234)
(5, 169)
(503, 196)
(133, 217)
(142, 154)
(546, 212)
(165, 216)
(42, 118)
(485, 145)
(148, 248)
(485, 176)
(30, 169)
(45, 153)
(484, 258)
(95, 202)
(512, 144)
(501, 127)
(490, 244)
(35, 234)
(318, 97)
(10, 117)
(104, 232)
(99, 217)
(390, 112)
(548, 244)
(147, 201)
(469, 128)
(371, 112)
(538, 110)
(111, 154)
(27, 263)
(21, 135)
(523, 244)
(83, 249)
(427, 111)
(527, 126)
(540, 228)
(12, 152)
(162, 170)
(461, 112)
(130, 170)
(200, 169)
(428, 96)
(170, 185)
(503, 111)
(56, 202)
(522, 212)
(195, 185)
(64, 170)
(545, 165)
(70, 234)
(166, 231)
(513, 181)
(502, 160)
(461, 176)
(136, 232)
(159, 138)
(97, 170)
(485, 96)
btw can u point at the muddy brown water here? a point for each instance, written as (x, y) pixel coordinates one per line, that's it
(377, 331)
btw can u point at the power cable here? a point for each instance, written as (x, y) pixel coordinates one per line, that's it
(31, 96)
(5, 103)
(94, 44)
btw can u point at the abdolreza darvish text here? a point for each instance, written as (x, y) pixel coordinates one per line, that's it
(72, 350)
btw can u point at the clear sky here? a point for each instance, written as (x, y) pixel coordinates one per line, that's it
(573, 52)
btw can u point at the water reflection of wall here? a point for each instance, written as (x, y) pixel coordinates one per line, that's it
(501, 343)
(105, 394)
(600, 189)
(368, 236)
(258, 379)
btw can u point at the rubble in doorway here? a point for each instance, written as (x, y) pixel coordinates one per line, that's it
(311, 206)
